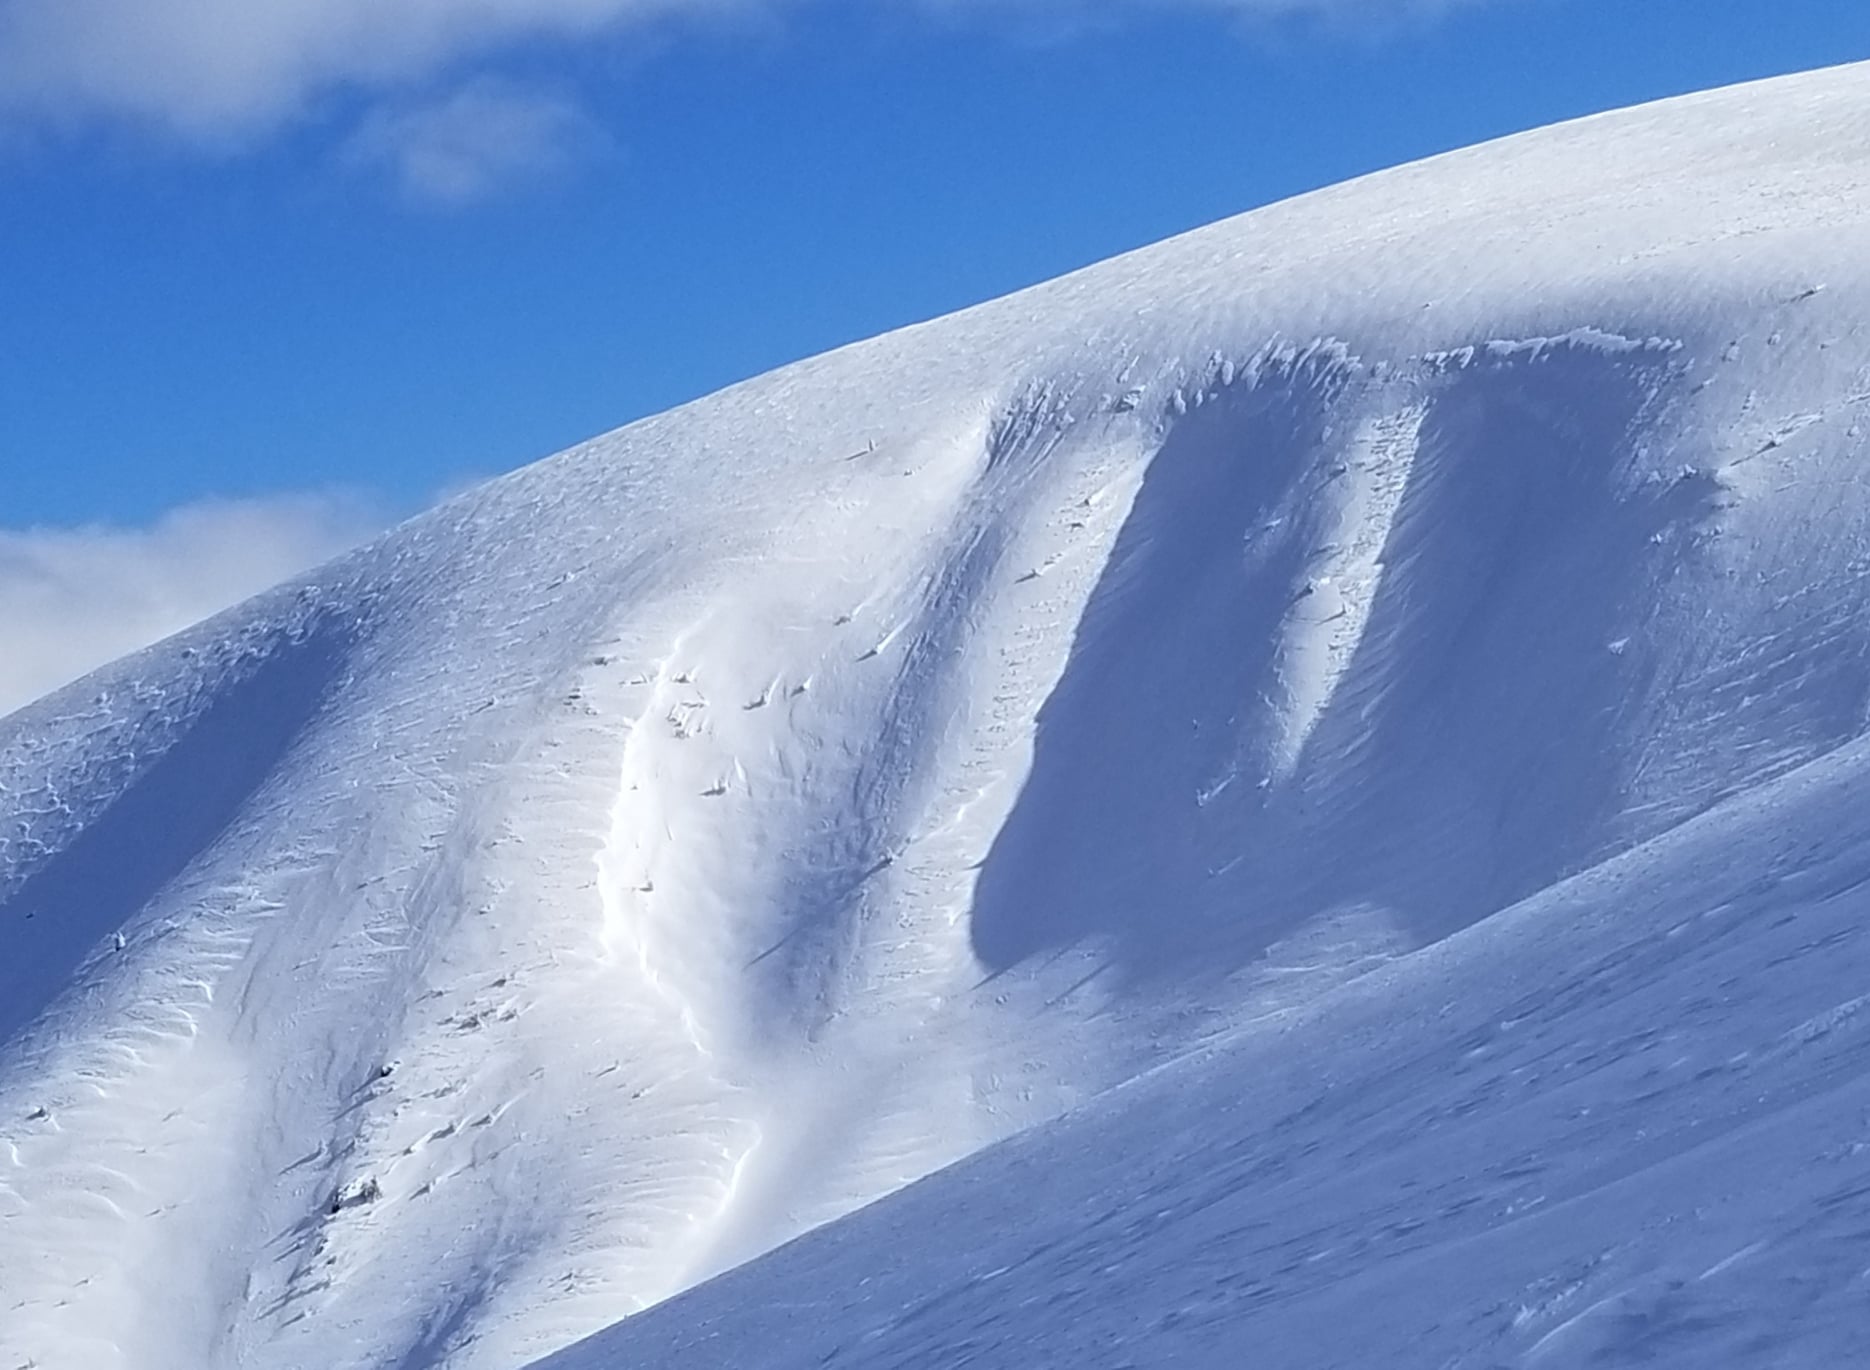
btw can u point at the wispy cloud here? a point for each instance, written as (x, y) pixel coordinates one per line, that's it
(226, 71)
(72, 599)
(1364, 17)
(220, 70)
(1369, 10)
(473, 142)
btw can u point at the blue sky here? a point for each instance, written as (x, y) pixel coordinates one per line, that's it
(235, 302)
(331, 245)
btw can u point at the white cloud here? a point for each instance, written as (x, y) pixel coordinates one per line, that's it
(469, 144)
(220, 71)
(72, 599)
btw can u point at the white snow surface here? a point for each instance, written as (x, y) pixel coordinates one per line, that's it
(1290, 798)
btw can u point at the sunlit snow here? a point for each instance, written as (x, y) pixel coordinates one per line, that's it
(1294, 798)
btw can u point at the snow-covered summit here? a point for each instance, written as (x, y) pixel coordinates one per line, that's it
(1335, 733)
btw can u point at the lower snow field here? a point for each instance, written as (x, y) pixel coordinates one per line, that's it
(1296, 798)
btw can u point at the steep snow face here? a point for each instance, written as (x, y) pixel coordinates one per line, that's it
(1308, 644)
(1623, 1123)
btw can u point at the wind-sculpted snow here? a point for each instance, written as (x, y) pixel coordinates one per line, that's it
(1314, 760)
(168, 808)
(1419, 583)
(1623, 1123)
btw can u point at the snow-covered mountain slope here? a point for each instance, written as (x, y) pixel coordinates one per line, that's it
(1336, 734)
(1624, 1123)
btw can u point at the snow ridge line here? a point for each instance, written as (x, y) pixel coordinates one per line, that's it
(627, 936)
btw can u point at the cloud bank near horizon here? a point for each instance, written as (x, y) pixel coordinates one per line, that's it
(72, 599)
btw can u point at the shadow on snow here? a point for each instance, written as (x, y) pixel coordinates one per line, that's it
(167, 816)
(1463, 759)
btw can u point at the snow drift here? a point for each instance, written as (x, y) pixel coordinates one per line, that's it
(1317, 756)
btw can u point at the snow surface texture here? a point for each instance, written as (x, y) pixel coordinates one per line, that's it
(1320, 761)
